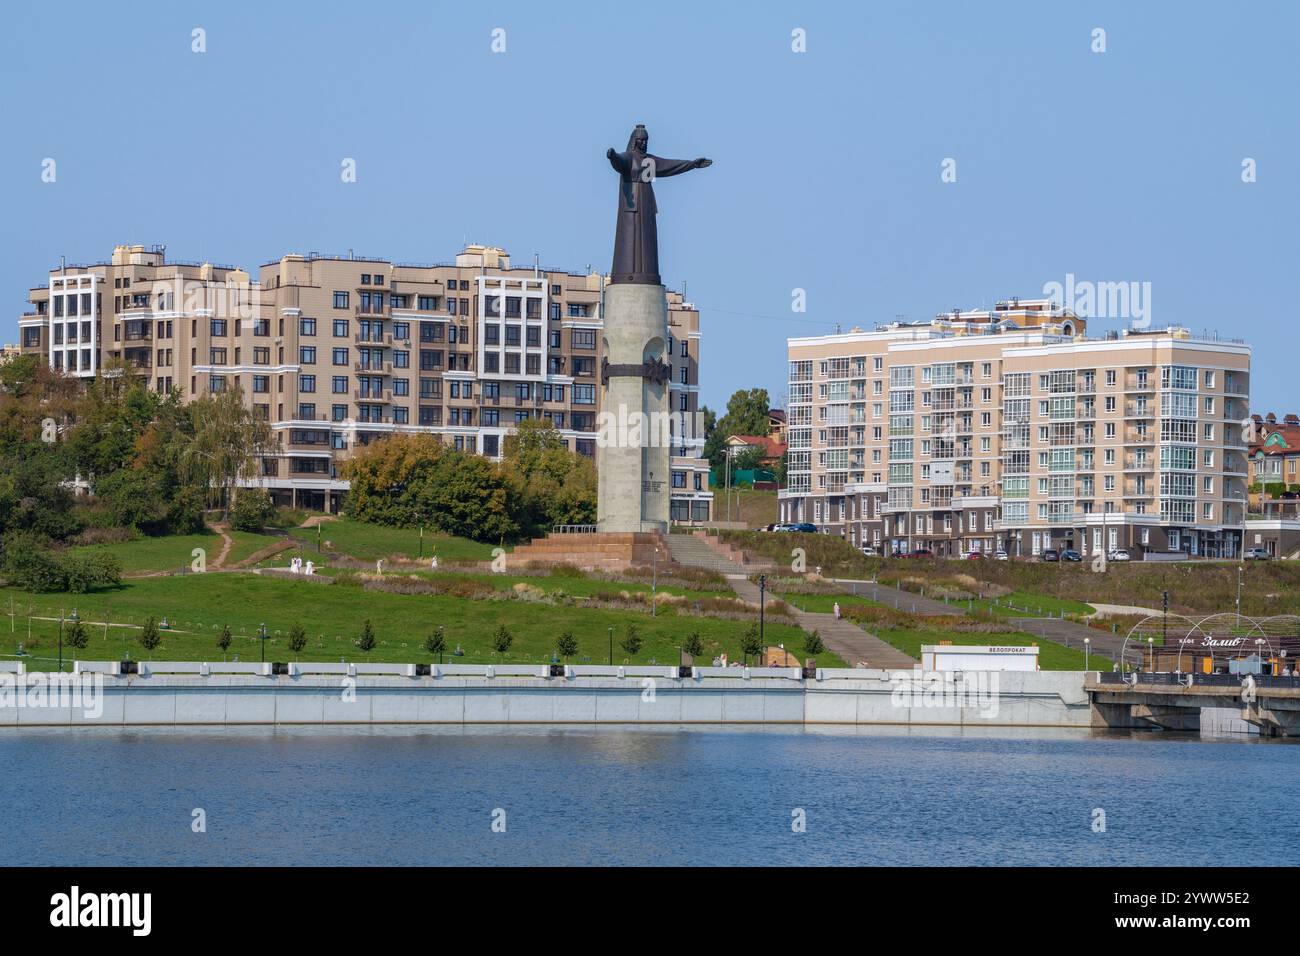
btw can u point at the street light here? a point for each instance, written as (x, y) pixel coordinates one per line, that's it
(654, 579)
(1151, 648)
(611, 647)
(261, 633)
(1087, 644)
(762, 594)
(1240, 569)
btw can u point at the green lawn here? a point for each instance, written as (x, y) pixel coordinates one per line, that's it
(173, 552)
(370, 542)
(198, 605)
(1051, 656)
(1028, 603)
(822, 603)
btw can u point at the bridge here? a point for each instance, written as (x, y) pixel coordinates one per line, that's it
(1173, 701)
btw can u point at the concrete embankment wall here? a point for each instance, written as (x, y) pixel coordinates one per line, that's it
(652, 695)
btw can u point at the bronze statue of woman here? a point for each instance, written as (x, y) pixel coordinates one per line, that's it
(636, 240)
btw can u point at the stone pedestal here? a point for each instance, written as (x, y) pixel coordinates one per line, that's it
(633, 452)
(613, 551)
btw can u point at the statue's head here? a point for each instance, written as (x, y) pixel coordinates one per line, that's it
(639, 141)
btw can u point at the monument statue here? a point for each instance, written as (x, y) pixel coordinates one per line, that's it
(636, 240)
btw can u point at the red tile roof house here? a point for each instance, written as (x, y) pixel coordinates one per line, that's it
(772, 449)
(1274, 487)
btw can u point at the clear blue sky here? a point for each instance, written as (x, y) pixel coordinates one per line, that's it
(1122, 166)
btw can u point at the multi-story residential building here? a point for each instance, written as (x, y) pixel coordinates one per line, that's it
(335, 352)
(1011, 429)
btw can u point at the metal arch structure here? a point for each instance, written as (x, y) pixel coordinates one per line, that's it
(1178, 627)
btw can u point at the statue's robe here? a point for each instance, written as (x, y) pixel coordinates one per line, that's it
(636, 239)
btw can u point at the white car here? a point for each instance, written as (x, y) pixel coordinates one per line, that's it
(1117, 554)
(870, 551)
(1000, 555)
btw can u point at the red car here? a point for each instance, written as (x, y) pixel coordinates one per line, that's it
(975, 556)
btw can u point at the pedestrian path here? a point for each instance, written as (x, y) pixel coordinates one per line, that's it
(845, 638)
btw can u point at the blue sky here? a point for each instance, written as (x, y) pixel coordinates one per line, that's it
(1118, 166)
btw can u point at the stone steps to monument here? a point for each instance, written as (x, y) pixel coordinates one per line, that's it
(691, 552)
(603, 551)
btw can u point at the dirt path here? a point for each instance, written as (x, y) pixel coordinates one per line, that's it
(227, 542)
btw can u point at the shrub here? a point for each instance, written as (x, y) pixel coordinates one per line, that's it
(223, 639)
(297, 638)
(693, 645)
(77, 636)
(502, 639)
(31, 565)
(253, 510)
(813, 644)
(566, 644)
(149, 636)
(750, 644)
(632, 643)
(85, 572)
(436, 643)
(366, 642)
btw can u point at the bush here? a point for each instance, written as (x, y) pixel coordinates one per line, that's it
(297, 638)
(77, 636)
(693, 645)
(31, 565)
(149, 636)
(502, 639)
(436, 643)
(366, 642)
(253, 510)
(566, 644)
(632, 643)
(750, 644)
(813, 644)
(85, 572)
(224, 639)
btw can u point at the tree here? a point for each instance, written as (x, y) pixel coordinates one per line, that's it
(632, 643)
(552, 484)
(502, 639)
(149, 636)
(228, 440)
(436, 643)
(297, 638)
(366, 642)
(693, 645)
(566, 644)
(223, 640)
(750, 644)
(813, 644)
(253, 510)
(746, 414)
(77, 636)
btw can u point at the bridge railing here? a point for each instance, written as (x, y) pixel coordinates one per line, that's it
(1203, 680)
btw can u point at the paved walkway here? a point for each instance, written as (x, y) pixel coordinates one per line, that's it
(843, 637)
(1104, 609)
(1071, 634)
(899, 599)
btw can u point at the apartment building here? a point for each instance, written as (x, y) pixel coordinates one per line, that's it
(1011, 429)
(337, 351)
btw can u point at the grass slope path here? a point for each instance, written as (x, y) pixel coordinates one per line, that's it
(227, 542)
(843, 637)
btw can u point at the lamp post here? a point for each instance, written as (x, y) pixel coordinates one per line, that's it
(654, 580)
(611, 647)
(1151, 654)
(1259, 653)
(1164, 619)
(762, 595)
(261, 633)
(60, 640)
(1240, 569)
(1087, 645)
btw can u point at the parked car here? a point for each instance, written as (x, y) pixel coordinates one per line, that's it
(921, 553)
(975, 556)
(1050, 554)
(1000, 555)
(870, 550)
(1118, 554)
(1069, 554)
(1256, 554)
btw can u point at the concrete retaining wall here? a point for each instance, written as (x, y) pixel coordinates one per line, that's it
(766, 696)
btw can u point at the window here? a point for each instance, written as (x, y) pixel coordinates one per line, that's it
(339, 384)
(340, 300)
(584, 338)
(339, 356)
(307, 327)
(306, 383)
(341, 328)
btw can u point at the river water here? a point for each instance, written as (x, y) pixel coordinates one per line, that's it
(334, 796)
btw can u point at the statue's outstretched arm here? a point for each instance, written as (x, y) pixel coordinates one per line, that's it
(672, 167)
(615, 160)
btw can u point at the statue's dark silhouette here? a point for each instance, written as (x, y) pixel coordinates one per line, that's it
(636, 240)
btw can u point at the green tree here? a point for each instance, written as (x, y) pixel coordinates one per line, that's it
(77, 636)
(566, 645)
(436, 643)
(150, 637)
(746, 414)
(502, 639)
(228, 440)
(223, 640)
(813, 644)
(693, 645)
(366, 642)
(631, 644)
(750, 644)
(297, 638)
(252, 511)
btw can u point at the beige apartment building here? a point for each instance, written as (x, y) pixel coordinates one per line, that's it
(335, 352)
(1010, 429)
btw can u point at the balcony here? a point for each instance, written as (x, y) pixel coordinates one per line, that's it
(370, 368)
(383, 397)
(1134, 438)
